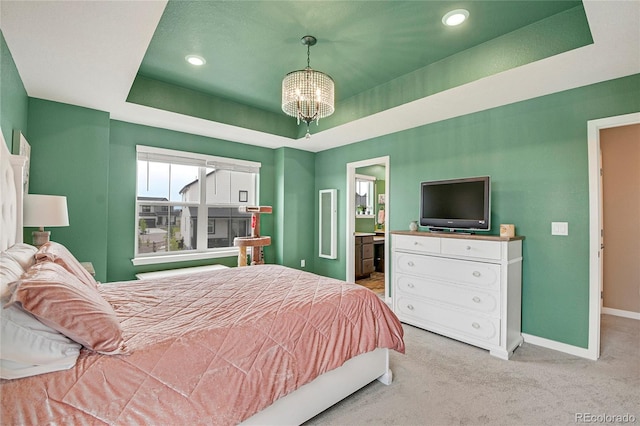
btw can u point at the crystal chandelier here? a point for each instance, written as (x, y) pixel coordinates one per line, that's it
(307, 94)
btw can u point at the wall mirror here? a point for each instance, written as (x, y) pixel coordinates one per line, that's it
(365, 194)
(327, 237)
(22, 147)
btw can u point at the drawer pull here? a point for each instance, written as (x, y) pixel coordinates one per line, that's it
(410, 307)
(476, 299)
(476, 273)
(468, 247)
(410, 263)
(410, 285)
(415, 243)
(475, 325)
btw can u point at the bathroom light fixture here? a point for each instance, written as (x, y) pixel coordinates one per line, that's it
(308, 94)
(195, 60)
(455, 17)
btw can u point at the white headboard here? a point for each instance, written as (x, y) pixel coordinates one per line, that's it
(11, 194)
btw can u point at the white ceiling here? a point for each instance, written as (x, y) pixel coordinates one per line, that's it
(87, 53)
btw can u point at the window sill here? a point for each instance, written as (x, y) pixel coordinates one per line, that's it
(184, 257)
(364, 216)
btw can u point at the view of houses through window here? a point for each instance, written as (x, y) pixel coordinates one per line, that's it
(189, 202)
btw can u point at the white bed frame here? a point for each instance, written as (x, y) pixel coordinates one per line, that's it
(292, 409)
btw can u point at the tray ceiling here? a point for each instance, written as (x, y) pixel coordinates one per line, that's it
(396, 66)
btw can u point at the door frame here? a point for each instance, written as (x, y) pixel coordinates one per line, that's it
(350, 202)
(595, 222)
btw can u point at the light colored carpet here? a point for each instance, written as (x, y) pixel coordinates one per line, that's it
(440, 381)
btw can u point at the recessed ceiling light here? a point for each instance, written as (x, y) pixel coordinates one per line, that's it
(195, 60)
(455, 17)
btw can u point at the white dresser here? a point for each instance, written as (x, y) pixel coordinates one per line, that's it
(466, 287)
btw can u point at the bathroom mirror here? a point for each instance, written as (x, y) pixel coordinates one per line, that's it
(365, 194)
(327, 238)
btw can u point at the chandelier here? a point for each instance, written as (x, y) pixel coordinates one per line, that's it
(307, 94)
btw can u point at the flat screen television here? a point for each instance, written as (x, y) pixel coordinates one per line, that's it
(456, 204)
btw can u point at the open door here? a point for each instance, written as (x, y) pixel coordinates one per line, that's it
(351, 211)
(596, 224)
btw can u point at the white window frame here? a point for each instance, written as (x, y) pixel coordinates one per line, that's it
(203, 161)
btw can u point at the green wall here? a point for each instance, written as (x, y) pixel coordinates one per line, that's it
(70, 156)
(536, 154)
(297, 204)
(278, 206)
(13, 97)
(122, 181)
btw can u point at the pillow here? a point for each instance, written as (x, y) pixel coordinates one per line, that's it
(23, 253)
(29, 347)
(10, 271)
(59, 300)
(17, 370)
(56, 252)
(14, 261)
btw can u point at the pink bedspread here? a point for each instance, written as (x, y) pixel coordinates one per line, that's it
(209, 348)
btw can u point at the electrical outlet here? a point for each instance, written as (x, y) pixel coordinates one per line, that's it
(559, 228)
(303, 263)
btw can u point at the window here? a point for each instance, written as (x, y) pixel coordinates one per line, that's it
(187, 203)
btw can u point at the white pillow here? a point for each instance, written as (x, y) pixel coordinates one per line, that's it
(14, 261)
(29, 347)
(16, 370)
(23, 253)
(10, 271)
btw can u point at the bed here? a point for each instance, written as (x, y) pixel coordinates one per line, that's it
(263, 344)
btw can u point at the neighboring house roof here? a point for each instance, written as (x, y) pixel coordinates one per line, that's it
(187, 186)
(152, 199)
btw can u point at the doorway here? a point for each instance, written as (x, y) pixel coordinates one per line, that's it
(596, 224)
(620, 148)
(369, 212)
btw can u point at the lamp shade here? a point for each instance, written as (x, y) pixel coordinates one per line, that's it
(308, 95)
(45, 210)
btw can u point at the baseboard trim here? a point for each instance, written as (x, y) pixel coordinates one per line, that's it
(558, 346)
(621, 313)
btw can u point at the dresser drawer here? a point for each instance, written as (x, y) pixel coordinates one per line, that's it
(471, 248)
(454, 322)
(482, 275)
(364, 239)
(462, 297)
(368, 266)
(417, 244)
(367, 251)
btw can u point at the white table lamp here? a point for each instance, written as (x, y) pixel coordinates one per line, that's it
(44, 210)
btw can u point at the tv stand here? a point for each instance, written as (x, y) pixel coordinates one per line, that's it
(466, 287)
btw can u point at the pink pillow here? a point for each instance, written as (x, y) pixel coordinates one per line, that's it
(59, 300)
(56, 252)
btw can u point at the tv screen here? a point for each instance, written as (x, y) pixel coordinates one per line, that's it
(456, 204)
